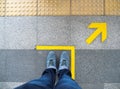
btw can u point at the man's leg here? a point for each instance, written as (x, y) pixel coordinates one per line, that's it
(65, 81)
(47, 79)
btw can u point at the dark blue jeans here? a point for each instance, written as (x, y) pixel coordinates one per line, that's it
(47, 81)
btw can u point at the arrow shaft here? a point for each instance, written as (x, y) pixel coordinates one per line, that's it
(93, 36)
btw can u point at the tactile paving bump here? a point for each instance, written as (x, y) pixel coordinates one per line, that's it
(53, 7)
(21, 7)
(87, 7)
(112, 7)
(2, 7)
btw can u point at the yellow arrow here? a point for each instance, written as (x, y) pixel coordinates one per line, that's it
(101, 29)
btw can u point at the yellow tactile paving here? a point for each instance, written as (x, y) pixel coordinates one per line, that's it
(87, 7)
(21, 7)
(2, 7)
(112, 7)
(59, 7)
(53, 7)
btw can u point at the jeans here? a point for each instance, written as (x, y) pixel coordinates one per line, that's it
(47, 81)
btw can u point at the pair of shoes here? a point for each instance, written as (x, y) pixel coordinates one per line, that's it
(64, 60)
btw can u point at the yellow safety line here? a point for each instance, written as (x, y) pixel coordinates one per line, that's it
(71, 48)
(73, 62)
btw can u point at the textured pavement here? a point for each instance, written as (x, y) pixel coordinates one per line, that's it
(97, 65)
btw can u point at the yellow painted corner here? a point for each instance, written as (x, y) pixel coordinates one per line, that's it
(71, 48)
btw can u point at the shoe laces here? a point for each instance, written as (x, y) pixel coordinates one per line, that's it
(51, 63)
(63, 63)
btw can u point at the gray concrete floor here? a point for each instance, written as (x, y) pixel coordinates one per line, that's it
(53, 30)
(94, 68)
(97, 65)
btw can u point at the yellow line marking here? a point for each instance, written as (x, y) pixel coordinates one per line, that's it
(71, 48)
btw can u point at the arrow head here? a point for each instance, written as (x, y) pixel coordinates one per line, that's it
(101, 28)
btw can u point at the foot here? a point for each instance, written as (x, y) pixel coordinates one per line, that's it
(51, 60)
(64, 61)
